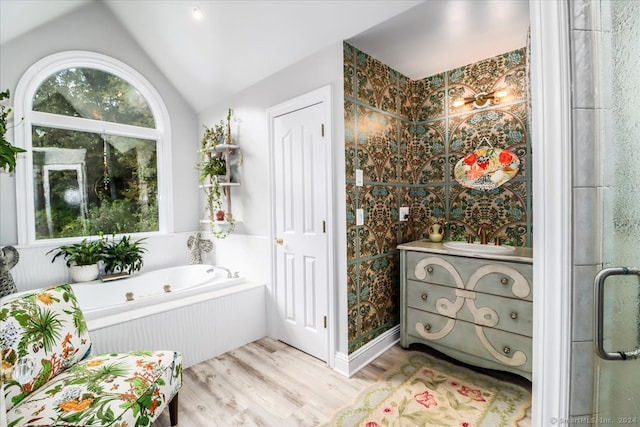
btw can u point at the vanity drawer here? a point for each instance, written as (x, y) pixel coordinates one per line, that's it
(508, 314)
(511, 315)
(431, 268)
(423, 296)
(507, 279)
(500, 347)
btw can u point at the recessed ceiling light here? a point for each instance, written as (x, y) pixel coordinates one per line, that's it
(197, 13)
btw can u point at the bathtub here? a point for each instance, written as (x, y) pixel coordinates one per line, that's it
(203, 314)
(100, 299)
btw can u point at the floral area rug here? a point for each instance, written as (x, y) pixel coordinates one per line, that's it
(426, 391)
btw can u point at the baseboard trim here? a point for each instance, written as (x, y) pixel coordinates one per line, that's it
(349, 364)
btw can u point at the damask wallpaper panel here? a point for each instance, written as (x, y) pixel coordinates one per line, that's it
(377, 145)
(377, 84)
(426, 157)
(429, 98)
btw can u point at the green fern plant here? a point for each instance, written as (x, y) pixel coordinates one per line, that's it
(85, 252)
(124, 256)
(8, 152)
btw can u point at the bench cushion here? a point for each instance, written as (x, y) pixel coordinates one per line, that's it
(121, 389)
(46, 327)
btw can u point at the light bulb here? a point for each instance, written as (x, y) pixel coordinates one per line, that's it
(197, 13)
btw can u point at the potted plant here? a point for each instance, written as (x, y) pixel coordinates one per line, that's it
(212, 136)
(8, 152)
(215, 166)
(123, 257)
(82, 258)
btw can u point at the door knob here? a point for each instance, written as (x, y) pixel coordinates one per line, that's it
(279, 242)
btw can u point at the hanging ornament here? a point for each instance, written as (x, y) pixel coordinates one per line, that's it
(105, 164)
(102, 185)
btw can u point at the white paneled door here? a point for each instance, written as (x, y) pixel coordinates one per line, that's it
(300, 228)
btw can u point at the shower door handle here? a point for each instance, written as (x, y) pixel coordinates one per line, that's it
(598, 303)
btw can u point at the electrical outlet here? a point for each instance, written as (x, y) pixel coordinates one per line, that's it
(359, 178)
(359, 216)
(404, 213)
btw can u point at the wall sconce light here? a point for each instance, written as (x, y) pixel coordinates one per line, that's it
(481, 99)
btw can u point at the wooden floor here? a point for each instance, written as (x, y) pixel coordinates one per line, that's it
(268, 383)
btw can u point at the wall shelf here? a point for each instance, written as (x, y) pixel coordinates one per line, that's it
(218, 188)
(223, 147)
(221, 184)
(221, 224)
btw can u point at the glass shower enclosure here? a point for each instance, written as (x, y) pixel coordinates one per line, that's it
(617, 375)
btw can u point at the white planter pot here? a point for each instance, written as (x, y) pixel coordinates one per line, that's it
(84, 273)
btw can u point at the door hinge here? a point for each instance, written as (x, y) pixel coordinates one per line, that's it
(324, 226)
(322, 129)
(325, 322)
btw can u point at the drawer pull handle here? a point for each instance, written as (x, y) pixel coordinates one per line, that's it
(506, 350)
(504, 280)
(429, 269)
(424, 297)
(514, 315)
(427, 327)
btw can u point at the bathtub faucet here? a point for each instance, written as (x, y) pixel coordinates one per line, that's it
(229, 273)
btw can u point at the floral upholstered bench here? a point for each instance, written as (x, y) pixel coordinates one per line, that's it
(50, 379)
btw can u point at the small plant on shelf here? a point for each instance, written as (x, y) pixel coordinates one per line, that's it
(212, 136)
(213, 166)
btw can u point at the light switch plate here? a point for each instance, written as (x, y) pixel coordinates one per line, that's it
(359, 178)
(404, 213)
(359, 216)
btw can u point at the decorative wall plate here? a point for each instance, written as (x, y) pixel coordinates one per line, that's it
(486, 168)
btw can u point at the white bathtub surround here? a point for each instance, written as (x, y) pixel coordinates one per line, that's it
(194, 309)
(200, 326)
(250, 255)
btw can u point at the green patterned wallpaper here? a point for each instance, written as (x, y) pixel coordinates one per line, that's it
(406, 136)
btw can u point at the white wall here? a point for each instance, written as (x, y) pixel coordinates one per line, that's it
(249, 248)
(94, 28)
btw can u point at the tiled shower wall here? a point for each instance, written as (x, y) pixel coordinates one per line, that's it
(406, 137)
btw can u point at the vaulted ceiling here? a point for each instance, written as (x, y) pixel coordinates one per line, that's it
(238, 43)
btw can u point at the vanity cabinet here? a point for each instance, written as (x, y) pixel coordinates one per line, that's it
(475, 308)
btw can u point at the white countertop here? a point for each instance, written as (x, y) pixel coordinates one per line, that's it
(520, 254)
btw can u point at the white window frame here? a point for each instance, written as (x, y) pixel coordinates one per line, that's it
(23, 109)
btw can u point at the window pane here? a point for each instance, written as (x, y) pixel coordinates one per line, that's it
(87, 183)
(93, 94)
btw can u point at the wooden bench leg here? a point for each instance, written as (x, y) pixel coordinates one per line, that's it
(173, 410)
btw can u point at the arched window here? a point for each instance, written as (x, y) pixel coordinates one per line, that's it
(98, 150)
